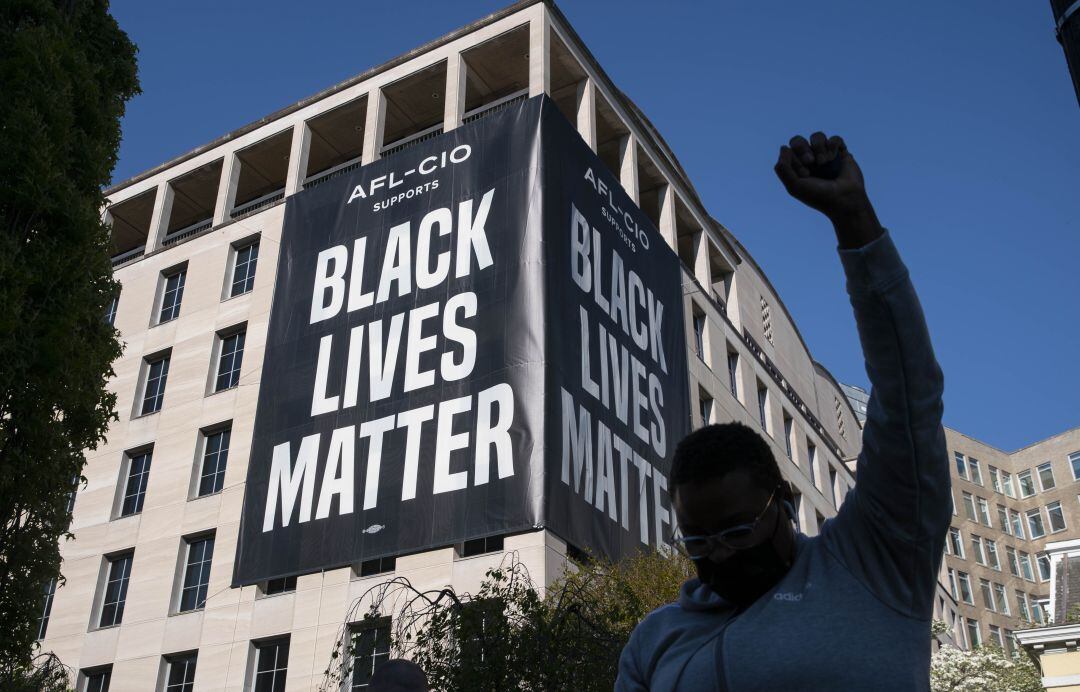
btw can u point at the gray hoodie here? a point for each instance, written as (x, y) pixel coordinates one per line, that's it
(853, 613)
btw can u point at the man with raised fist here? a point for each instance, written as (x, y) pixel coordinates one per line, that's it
(849, 608)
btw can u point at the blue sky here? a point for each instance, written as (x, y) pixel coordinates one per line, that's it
(962, 117)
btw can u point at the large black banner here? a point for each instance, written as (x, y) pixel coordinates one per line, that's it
(478, 335)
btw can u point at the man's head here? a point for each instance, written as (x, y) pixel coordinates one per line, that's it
(398, 675)
(728, 492)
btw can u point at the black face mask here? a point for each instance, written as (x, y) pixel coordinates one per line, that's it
(747, 574)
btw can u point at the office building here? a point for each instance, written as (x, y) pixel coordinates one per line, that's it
(149, 601)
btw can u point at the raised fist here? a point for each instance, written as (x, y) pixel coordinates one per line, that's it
(823, 175)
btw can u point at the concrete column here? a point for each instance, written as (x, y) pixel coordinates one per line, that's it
(226, 196)
(586, 111)
(159, 222)
(454, 101)
(701, 259)
(539, 55)
(374, 126)
(667, 216)
(298, 158)
(628, 166)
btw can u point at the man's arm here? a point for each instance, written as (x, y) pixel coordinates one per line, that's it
(891, 528)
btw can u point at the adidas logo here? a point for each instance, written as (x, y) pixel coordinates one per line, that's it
(787, 596)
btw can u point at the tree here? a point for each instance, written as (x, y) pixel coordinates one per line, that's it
(983, 669)
(66, 72)
(508, 636)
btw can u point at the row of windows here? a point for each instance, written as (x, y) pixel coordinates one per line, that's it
(974, 636)
(197, 554)
(243, 259)
(1029, 607)
(269, 663)
(834, 492)
(1001, 482)
(977, 509)
(228, 354)
(985, 552)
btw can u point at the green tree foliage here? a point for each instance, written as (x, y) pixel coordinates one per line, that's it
(509, 636)
(66, 71)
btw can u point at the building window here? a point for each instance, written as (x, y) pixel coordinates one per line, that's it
(995, 637)
(699, 335)
(200, 553)
(977, 549)
(1046, 476)
(116, 584)
(172, 293)
(110, 311)
(961, 465)
(479, 546)
(832, 487)
(1017, 523)
(984, 511)
(987, 594)
(974, 471)
(1074, 462)
(965, 588)
(157, 371)
(138, 475)
(706, 405)
(952, 584)
(47, 592)
(1057, 517)
(974, 638)
(796, 503)
(1007, 483)
(1027, 485)
(733, 377)
(1014, 564)
(271, 665)
(96, 679)
(370, 648)
(1025, 566)
(995, 479)
(811, 461)
(789, 436)
(1022, 606)
(969, 506)
(379, 565)
(243, 277)
(180, 676)
(281, 585)
(1043, 561)
(992, 554)
(1035, 523)
(230, 355)
(763, 405)
(214, 459)
(1000, 599)
(956, 542)
(1003, 519)
(1037, 610)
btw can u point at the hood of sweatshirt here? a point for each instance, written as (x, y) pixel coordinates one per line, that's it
(697, 596)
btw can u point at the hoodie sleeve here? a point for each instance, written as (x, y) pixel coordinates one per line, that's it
(890, 530)
(630, 678)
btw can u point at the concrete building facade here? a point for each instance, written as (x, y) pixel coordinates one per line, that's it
(147, 602)
(1006, 508)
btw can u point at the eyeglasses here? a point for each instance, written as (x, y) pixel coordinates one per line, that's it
(733, 538)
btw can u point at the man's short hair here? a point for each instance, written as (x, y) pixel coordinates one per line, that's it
(715, 450)
(398, 675)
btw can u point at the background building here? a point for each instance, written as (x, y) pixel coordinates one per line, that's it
(147, 602)
(1006, 508)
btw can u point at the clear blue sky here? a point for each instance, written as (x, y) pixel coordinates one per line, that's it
(961, 115)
